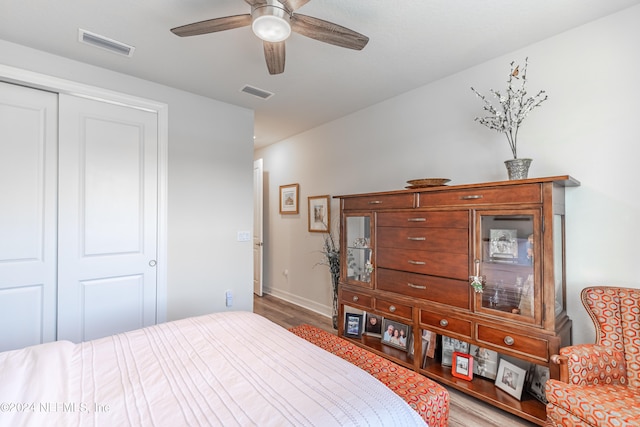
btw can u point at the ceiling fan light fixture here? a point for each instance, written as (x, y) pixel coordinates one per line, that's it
(271, 23)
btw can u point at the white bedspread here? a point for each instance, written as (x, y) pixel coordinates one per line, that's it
(224, 369)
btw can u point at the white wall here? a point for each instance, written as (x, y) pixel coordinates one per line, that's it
(209, 184)
(589, 128)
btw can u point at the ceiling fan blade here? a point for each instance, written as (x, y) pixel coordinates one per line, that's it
(327, 32)
(274, 54)
(292, 5)
(213, 25)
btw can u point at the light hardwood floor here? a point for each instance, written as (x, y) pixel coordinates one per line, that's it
(465, 411)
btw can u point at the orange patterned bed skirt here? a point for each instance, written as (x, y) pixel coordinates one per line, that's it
(427, 397)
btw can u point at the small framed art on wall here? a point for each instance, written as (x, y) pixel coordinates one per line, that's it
(289, 199)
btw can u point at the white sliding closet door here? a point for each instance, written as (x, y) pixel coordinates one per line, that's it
(28, 174)
(108, 213)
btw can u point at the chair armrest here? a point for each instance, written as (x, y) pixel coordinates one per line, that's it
(561, 361)
(588, 364)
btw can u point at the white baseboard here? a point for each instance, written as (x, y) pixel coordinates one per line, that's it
(302, 302)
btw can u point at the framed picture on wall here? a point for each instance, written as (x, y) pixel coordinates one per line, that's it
(319, 214)
(289, 199)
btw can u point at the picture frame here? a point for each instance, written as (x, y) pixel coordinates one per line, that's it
(373, 325)
(396, 334)
(428, 346)
(289, 199)
(319, 214)
(485, 362)
(450, 346)
(353, 324)
(511, 378)
(462, 366)
(538, 376)
(503, 245)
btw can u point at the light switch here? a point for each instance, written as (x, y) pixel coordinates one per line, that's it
(229, 298)
(244, 236)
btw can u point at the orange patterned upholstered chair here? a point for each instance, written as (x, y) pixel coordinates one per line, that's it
(600, 383)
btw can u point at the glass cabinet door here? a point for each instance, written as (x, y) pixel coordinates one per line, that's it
(507, 259)
(359, 254)
(558, 263)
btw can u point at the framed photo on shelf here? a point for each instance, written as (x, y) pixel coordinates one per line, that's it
(450, 346)
(538, 376)
(485, 362)
(462, 366)
(511, 378)
(428, 346)
(373, 325)
(319, 214)
(503, 245)
(289, 199)
(353, 324)
(396, 334)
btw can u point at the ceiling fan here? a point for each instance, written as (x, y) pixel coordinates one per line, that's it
(273, 21)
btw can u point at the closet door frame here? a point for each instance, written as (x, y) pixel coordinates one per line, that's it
(54, 84)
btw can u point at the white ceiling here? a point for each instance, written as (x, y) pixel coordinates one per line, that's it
(412, 43)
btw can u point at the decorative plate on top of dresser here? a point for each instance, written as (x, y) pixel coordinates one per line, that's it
(427, 182)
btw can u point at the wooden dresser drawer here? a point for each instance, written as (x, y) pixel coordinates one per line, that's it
(453, 240)
(424, 262)
(357, 299)
(384, 201)
(525, 193)
(395, 309)
(437, 289)
(535, 347)
(445, 323)
(445, 219)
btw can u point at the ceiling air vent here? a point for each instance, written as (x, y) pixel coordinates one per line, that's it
(105, 43)
(257, 92)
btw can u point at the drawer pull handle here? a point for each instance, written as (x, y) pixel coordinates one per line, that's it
(444, 323)
(509, 340)
(392, 308)
(473, 197)
(417, 219)
(416, 262)
(417, 239)
(355, 298)
(375, 202)
(411, 285)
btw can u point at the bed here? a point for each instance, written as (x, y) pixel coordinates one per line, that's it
(223, 369)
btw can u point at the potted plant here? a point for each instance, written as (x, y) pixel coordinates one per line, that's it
(331, 253)
(508, 113)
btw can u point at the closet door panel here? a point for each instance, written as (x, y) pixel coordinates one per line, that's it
(108, 218)
(28, 181)
(112, 174)
(108, 296)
